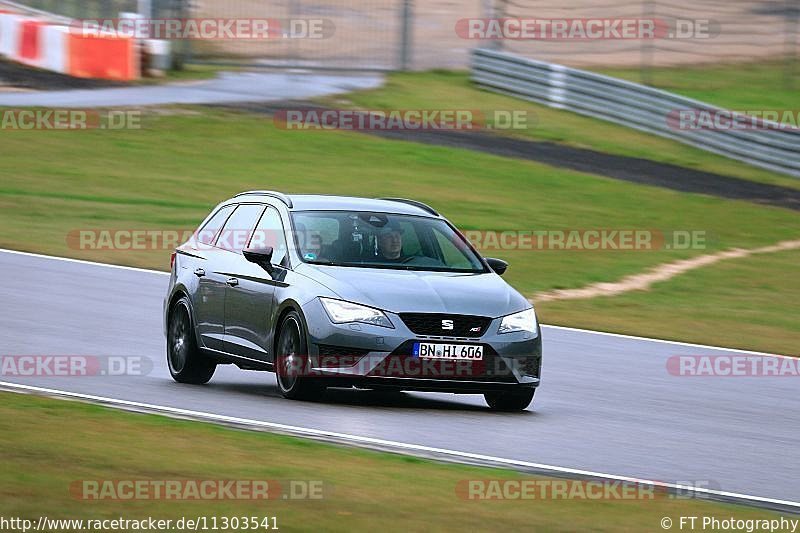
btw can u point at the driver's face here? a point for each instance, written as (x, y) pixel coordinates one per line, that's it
(391, 245)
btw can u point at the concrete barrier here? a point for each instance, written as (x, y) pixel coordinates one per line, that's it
(10, 25)
(108, 57)
(68, 50)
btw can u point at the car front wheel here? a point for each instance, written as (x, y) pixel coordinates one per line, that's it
(517, 400)
(291, 361)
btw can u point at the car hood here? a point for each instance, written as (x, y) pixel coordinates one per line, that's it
(401, 291)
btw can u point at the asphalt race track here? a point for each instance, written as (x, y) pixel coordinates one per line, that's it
(607, 404)
(228, 87)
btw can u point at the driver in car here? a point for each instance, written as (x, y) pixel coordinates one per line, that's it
(390, 243)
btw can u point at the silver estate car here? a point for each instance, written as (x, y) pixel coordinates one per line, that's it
(332, 291)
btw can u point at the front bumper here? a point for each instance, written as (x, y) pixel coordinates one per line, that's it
(368, 356)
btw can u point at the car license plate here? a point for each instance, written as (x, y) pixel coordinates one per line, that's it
(427, 350)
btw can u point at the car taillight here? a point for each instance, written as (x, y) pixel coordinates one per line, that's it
(172, 261)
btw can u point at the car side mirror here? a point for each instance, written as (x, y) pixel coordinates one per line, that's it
(498, 265)
(260, 256)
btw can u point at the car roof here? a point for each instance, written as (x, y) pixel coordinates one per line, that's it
(323, 202)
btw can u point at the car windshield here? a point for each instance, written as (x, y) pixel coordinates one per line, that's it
(382, 240)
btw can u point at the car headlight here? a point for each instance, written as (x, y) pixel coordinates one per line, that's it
(522, 321)
(341, 312)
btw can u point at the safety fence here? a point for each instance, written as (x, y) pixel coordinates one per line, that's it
(755, 140)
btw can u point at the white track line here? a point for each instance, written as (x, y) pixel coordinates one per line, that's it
(564, 328)
(392, 445)
(82, 262)
(665, 341)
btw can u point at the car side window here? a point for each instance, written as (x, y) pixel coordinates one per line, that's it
(316, 236)
(270, 232)
(208, 234)
(239, 227)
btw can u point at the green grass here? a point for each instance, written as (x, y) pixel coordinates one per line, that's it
(750, 306)
(168, 176)
(453, 90)
(47, 445)
(743, 87)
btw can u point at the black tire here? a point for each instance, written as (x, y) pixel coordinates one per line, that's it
(291, 353)
(187, 364)
(517, 400)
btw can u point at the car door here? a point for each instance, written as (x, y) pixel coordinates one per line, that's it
(250, 303)
(208, 299)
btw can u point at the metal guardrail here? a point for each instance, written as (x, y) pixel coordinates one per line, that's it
(767, 145)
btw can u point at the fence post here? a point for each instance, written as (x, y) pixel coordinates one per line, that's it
(406, 40)
(645, 68)
(182, 48)
(792, 11)
(145, 9)
(494, 9)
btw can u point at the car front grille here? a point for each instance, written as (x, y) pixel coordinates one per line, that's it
(446, 325)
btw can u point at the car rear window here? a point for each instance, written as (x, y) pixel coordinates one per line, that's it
(239, 228)
(208, 233)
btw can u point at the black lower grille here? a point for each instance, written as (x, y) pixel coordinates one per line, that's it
(338, 356)
(446, 325)
(530, 366)
(327, 350)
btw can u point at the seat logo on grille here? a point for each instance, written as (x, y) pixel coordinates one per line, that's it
(447, 324)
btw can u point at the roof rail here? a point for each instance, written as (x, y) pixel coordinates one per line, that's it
(415, 203)
(279, 195)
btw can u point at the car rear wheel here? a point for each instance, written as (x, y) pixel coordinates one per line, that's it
(510, 401)
(291, 360)
(186, 362)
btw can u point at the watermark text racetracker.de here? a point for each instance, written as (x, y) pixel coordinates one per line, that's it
(721, 120)
(70, 366)
(52, 119)
(403, 119)
(134, 239)
(585, 29)
(445, 363)
(197, 489)
(732, 366)
(576, 489)
(598, 239)
(207, 29)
